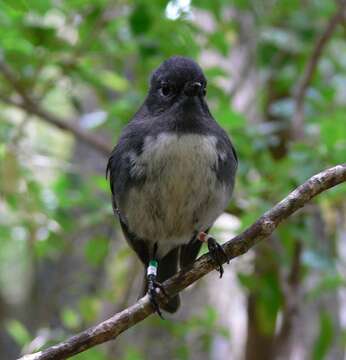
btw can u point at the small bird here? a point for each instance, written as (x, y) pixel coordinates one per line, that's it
(171, 175)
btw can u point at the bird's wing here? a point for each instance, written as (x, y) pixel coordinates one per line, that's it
(121, 163)
(138, 245)
(122, 178)
(227, 160)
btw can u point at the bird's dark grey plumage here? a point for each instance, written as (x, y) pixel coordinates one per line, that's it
(172, 171)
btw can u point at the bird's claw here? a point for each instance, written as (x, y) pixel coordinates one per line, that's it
(216, 251)
(154, 287)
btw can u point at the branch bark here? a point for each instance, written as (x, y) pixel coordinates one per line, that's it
(305, 80)
(28, 104)
(239, 245)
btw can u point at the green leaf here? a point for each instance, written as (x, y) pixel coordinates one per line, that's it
(140, 19)
(50, 247)
(325, 337)
(42, 36)
(212, 6)
(219, 41)
(248, 281)
(96, 250)
(133, 354)
(89, 308)
(18, 332)
(327, 284)
(228, 118)
(18, 5)
(40, 6)
(9, 172)
(215, 71)
(70, 318)
(333, 137)
(113, 80)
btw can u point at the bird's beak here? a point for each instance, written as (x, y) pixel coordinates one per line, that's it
(192, 89)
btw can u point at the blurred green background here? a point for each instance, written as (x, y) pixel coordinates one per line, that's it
(72, 73)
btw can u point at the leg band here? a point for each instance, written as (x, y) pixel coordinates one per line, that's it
(204, 237)
(152, 268)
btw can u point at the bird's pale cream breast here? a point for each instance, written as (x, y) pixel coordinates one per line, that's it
(181, 193)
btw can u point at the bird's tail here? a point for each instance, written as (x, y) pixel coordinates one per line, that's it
(167, 267)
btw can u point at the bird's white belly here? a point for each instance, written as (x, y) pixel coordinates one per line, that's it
(181, 193)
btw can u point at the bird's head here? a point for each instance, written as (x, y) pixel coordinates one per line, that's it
(177, 83)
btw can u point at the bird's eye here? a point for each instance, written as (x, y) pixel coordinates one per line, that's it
(165, 89)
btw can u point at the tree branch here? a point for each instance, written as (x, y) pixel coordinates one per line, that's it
(31, 107)
(261, 229)
(305, 80)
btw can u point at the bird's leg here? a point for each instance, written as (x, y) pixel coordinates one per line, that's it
(216, 251)
(154, 286)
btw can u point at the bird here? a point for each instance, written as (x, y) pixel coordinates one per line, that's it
(171, 175)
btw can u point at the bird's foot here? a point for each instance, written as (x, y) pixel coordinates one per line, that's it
(154, 287)
(217, 252)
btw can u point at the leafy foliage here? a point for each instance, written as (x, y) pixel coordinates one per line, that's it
(90, 61)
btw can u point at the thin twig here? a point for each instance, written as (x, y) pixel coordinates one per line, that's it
(29, 105)
(308, 73)
(261, 229)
